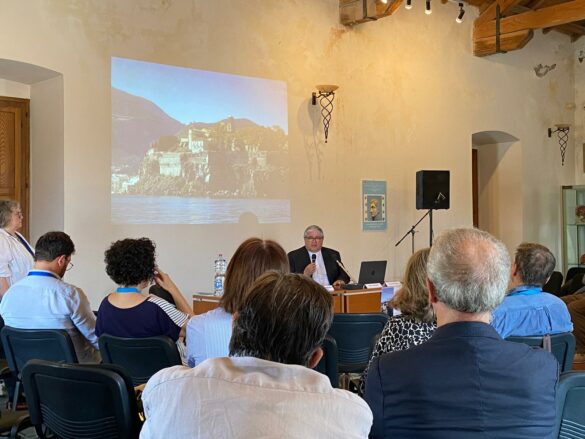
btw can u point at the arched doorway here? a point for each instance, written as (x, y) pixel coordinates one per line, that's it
(498, 184)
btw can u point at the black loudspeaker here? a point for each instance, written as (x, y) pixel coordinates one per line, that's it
(432, 190)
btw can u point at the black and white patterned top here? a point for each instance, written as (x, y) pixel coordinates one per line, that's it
(400, 333)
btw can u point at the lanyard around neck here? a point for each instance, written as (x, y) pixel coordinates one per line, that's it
(127, 290)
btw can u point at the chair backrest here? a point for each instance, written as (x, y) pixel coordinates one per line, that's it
(562, 347)
(554, 284)
(570, 420)
(353, 334)
(141, 358)
(572, 272)
(22, 345)
(328, 364)
(81, 400)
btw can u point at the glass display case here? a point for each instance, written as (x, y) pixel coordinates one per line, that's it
(573, 227)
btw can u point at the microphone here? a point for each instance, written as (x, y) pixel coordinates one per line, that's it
(313, 258)
(351, 278)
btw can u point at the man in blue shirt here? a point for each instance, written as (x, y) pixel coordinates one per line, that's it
(527, 310)
(42, 300)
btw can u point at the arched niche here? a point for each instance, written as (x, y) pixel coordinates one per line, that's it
(45, 91)
(499, 185)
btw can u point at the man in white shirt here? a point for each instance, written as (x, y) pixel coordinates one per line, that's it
(42, 300)
(266, 388)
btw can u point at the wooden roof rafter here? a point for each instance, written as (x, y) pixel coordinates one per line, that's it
(510, 32)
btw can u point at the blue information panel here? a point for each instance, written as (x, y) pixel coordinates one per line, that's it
(374, 205)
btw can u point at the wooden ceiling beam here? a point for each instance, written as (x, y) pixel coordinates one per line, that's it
(546, 17)
(490, 12)
(575, 31)
(352, 12)
(508, 42)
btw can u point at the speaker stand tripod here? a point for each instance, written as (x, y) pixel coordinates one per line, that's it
(412, 231)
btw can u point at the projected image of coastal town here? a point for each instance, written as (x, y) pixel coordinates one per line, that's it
(197, 147)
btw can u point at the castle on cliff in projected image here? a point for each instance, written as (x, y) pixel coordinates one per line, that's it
(232, 158)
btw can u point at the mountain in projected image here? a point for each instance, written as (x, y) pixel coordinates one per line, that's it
(136, 123)
(231, 158)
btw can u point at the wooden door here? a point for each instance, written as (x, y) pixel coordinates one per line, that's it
(14, 154)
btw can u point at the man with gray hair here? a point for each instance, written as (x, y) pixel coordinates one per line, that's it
(527, 310)
(465, 381)
(314, 260)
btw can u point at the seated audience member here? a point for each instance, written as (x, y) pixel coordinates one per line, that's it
(42, 300)
(127, 312)
(526, 309)
(465, 381)
(266, 387)
(156, 290)
(576, 306)
(208, 335)
(416, 323)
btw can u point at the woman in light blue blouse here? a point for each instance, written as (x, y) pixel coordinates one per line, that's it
(208, 335)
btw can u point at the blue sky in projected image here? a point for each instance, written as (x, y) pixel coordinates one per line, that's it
(191, 95)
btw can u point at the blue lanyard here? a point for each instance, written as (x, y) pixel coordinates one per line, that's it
(525, 290)
(42, 273)
(25, 244)
(127, 290)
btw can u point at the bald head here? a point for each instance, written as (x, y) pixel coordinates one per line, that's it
(469, 269)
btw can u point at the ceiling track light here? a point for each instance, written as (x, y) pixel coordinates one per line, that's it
(408, 4)
(428, 8)
(459, 18)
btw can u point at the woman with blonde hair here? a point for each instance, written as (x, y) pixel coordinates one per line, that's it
(416, 323)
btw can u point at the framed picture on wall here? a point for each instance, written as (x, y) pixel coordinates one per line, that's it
(374, 205)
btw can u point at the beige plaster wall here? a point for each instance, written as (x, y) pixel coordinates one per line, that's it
(500, 191)
(578, 128)
(14, 89)
(47, 187)
(411, 95)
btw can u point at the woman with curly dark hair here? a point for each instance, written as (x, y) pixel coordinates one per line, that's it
(129, 313)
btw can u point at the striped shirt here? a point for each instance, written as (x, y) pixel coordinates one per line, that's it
(154, 316)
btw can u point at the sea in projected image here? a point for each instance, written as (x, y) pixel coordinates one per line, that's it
(137, 209)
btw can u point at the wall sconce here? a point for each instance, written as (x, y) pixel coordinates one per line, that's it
(325, 94)
(563, 135)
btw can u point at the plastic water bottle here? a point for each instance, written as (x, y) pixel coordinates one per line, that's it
(220, 269)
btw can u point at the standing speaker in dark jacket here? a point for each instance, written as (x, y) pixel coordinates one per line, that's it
(317, 261)
(465, 381)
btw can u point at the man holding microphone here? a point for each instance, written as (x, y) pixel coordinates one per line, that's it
(316, 261)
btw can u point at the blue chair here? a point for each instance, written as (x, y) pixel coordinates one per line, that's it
(141, 358)
(570, 420)
(562, 346)
(328, 364)
(353, 334)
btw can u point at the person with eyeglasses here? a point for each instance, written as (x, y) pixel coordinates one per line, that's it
(16, 254)
(43, 300)
(316, 261)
